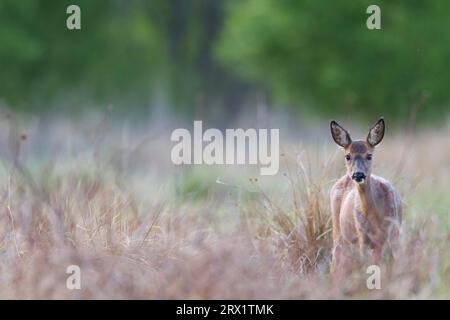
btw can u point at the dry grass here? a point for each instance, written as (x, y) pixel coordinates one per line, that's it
(107, 198)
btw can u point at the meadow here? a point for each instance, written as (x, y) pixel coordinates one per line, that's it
(106, 197)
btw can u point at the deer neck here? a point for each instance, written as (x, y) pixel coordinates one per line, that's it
(365, 196)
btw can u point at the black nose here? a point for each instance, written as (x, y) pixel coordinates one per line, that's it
(358, 176)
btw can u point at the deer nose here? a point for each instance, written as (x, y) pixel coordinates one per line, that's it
(358, 176)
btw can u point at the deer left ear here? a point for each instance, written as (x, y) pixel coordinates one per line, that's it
(376, 133)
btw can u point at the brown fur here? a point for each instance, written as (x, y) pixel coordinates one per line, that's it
(365, 215)
(358, 147)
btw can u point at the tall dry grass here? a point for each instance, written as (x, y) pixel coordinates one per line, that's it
(105, 197)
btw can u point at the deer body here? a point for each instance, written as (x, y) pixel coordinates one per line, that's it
(366, 209)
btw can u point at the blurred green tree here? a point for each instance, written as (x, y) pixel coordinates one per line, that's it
(126, 53)
(117, 49)
(207, 56)
(320, 55)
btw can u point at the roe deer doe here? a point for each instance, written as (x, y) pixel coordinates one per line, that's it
(366, 209)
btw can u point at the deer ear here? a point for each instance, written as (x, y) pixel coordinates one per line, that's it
(340, 135)
(376, 133)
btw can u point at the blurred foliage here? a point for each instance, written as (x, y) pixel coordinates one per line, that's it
(213, 56)
(322, 53)
(194, 185)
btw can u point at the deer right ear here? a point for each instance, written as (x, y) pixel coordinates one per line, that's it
(340, 135)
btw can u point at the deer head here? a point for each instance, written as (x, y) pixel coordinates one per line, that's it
(358, 153)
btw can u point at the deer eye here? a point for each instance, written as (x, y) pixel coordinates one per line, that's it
(369, 157)
(347, 157)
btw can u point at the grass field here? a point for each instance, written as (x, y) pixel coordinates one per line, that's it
(107, 198)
